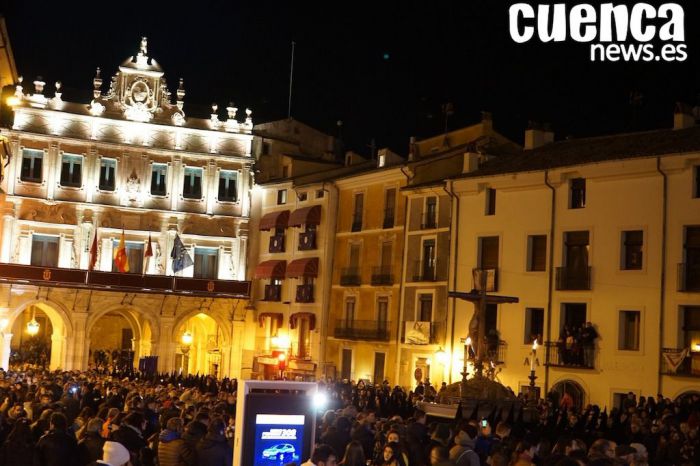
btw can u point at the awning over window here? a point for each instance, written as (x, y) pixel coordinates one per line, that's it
(275, 316)
(271, 269)
(305, 216)
(303, 268)
(294, 320)
(278, 219)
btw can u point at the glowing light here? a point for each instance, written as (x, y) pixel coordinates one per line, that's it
(696, 347)
(441, 356)
(320, 400)
(4, 322)
(534, 345)
(13, 100)
(282, 341)
(428, 361)
(187, 338)
(33, 327)
(469, 341)
(282, 357)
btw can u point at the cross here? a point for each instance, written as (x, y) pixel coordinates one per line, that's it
(144, 44)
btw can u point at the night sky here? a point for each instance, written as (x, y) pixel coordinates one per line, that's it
(384, 68)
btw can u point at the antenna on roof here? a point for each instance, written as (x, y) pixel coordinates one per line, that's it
(447, 110)
(291, 78)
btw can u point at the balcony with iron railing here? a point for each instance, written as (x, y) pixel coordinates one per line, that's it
(273, 293)
(435, 336)
(680, 362)
(576, 357)
(371, 330)
(350, 276)
(429, 221)
(388, 218)
(688, 277)
(424, 271)
(276, 243)
(573, 279)
(356, 222)
(307, 241)
(305, 293)
(486, 279)
(382, 275)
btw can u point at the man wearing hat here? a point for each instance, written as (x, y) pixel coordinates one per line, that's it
(114, 454)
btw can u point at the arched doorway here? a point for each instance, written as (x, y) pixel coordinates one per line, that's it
(39, 336)
(114, 341)
(573, 389)
(199, 346)
(687, 396)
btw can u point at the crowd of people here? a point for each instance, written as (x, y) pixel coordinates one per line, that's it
(576, 345)
(81, 419)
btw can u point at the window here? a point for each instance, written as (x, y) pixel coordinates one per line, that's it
(134, 253)
(537, 253)
(691, 326)
(281, 196)
(691, 264)
(490, 201)
(228, 186)
(319, 193)
(302, 196)
(628, 331)
(206, 263)
(159, 171)
(108, 169)
(428, 260)
(534, 324)
(577, 197)
(696, 177)
(357, 211)
(488, 252)
(192, 183)
(425, 307)
(44, 251)
(430, 215)
(389, 207)
(632, 243)
(71, 170)
(285, 171)
(491, 318)
(31, 165)
(382, 311)
(349, 310)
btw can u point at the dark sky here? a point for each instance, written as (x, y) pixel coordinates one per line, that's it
(384, 67)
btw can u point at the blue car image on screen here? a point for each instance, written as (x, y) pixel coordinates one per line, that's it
(280, 451)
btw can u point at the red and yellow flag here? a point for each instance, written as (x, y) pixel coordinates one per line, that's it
(121, 259)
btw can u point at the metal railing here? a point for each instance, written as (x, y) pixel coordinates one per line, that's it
(276, 243)
(424, 271)
(273, 293)
(578, 356)
(375, 330)
(688, 277)
(305, 293)
(350, 276)
(382, 275)
(307, 241)
(569, 278)
(689, 366)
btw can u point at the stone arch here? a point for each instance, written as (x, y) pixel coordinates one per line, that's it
(132, 314)
(686, 392)
(62, 325)
(198, 358)
(574, 388)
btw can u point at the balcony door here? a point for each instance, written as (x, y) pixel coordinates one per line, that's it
(44, 251)
(303, 338)
(692, 258)
(379, 362)
(691, 326)
(386, 257)
(346, 364)
(573, 316)
(425, 307)
(488, 258)
(349, 311)
(354, 259)
(577, 245)
(428, 259)
(382, 313)
(206, 263)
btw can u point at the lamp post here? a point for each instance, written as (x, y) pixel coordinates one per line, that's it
(465, 373)
(531, 413)
(186, 340)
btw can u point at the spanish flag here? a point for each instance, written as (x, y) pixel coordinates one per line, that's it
(121, 259)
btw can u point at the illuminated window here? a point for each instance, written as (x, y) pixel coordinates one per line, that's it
(108, 169)
(281, 196)
(71, 170)
(31, 165)
(206, 263)
(192, 183)
(228, 186)
(159, 172)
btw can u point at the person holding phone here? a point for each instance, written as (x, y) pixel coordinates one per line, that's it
(462, 453)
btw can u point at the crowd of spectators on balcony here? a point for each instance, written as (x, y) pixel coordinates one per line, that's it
(577, 345)
(81, 419)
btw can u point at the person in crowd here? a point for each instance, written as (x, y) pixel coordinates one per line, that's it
(57, 447)
(18, 448)
(172, 449)
(214, 449)
(354, 455)
(323, 455)
(114, 454)
(91, 444)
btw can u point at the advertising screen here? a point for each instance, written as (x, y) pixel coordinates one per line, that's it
(278, 438)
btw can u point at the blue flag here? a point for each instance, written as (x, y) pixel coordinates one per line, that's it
(181, 258)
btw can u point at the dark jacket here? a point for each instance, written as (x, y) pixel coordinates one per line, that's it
(90, 448)
(13, 453)
(173, 451)
(130, 437)
(214, 450)
(338, 439)
(57, 448)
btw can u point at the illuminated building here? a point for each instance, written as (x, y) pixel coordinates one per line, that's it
(128, 161)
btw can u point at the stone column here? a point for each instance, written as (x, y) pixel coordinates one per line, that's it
(165, 350)
(8, 222)
(79, 345)
(5, 354)
(59, 359)
(236, 353)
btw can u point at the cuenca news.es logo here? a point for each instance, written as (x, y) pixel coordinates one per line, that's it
(615, 32)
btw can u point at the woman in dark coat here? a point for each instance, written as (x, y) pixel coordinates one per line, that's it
(213, 449)
(19, 446)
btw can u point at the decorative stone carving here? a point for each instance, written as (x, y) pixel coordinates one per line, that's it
(198, 225)
(58, 213)
(133, 186)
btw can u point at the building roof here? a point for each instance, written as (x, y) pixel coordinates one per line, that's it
(573, 152)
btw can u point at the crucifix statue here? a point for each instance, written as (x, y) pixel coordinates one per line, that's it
(144, 45)
(484, 280)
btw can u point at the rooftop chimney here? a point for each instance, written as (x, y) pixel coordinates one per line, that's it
(537, 135)
(412, 149)
(487, 121)
(683, 116)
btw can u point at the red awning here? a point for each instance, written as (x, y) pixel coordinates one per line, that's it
(271, 269)
(294, 319)
(305, 216)
(303, 268)
(276, 219)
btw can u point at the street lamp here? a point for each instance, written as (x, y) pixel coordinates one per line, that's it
(441, 356)
(33, 325)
